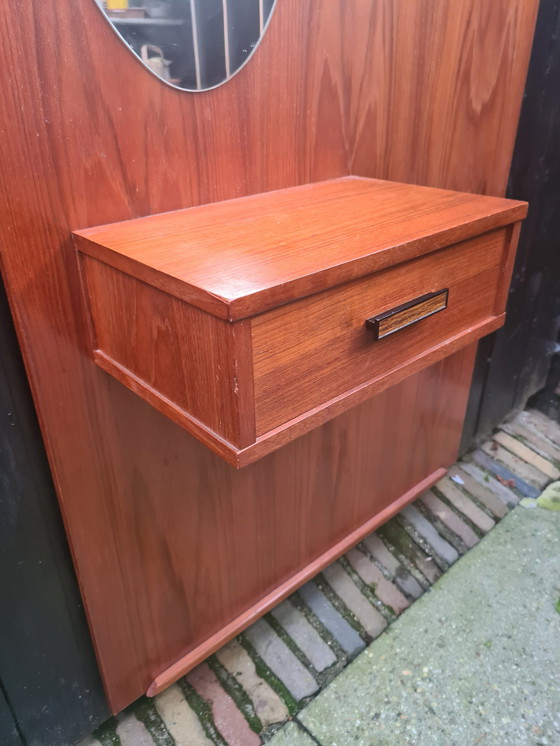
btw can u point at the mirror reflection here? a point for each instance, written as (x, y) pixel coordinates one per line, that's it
(191, 44)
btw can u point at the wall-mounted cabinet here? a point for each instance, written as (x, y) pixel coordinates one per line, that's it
(246, 321)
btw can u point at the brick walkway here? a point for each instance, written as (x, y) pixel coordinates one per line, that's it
(244, 693)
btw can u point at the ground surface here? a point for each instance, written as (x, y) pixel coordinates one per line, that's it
(474, 661)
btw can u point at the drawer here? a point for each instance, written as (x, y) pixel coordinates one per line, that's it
(244, 322)
(317, 349)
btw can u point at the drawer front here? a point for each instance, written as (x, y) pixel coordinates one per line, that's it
(314, 350)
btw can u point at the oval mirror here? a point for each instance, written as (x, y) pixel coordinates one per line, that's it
(190, 44)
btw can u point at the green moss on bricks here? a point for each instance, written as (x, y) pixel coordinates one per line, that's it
(106, 734)
(271, 679)
(407, 565)
(396, 536)
(534, 447)
(285, 637)
(232, 686)
(204, 712)
(369, 593)
(330, 640)
(550, 498)
(450, 537)
(340, 606)
(144, 710)
(459, 513)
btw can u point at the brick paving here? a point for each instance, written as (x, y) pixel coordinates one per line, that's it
(443, 512)
(416, 523)
(281, 660)
(245, 692)
(332, 620)
(305, 636)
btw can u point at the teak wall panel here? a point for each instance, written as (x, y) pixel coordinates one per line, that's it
(428, 90)
(424, 91)
(242, 532)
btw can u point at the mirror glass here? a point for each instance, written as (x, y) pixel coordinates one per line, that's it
(190, 44)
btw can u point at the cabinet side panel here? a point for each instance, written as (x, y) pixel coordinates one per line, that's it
(179, 352)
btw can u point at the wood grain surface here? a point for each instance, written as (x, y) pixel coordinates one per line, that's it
(311, 351)
(231, 383)
(242, 257)
(198, 363)
(421, 91)
(152, 300)
(243, 534)
(269, 600)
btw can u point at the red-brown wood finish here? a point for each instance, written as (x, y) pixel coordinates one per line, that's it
(229, 383)
(316, 349)
(246, 534)
(199, 364)
(422, 92)
(268, 601)
(241, 257)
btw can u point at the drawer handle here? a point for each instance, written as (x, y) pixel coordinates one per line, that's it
(409, 313)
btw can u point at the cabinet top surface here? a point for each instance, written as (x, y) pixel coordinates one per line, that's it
(244, 256)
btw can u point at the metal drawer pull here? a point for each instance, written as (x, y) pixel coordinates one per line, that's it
(408, 313)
